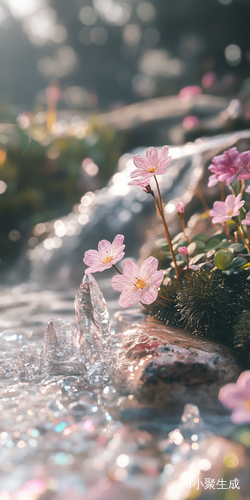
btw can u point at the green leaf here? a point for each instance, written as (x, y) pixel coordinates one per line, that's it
(178, 237)
(238, 262)
(198, 258)
(225, 244)
(200, 237)
(237, 247)
(162, 243)
(210, 254)
(223, 258)
(213, 244)
(195, 247)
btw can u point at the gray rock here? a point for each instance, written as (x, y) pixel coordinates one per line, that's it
(166, 367)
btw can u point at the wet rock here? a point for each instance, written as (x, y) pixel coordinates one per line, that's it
(166, 367)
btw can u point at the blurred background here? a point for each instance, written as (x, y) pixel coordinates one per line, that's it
(83, 81)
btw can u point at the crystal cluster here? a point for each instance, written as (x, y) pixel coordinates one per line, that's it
(84, 350)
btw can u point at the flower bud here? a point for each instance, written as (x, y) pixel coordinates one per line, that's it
(180, 207)
(183, 251)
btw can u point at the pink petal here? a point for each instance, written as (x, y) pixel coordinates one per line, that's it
(91, 257)
(244, 175)
(243, 381)
(245, 222)
(104, 247)
(118, 283)
(231, 397)
(98, 268)
(180, 207)
(152, 157)
(148, 267)
(118, 241)
(220, 205)
(213, 180)
(157, 278)
(142, 183)
(238, 198)
(140, 162)
(160, 169)
(230, 201)
(163, 158)
(129, 296)
(149, 295)
(131, 270)
(142, 174)
(220, 219)
(241, 416)
(163, 154)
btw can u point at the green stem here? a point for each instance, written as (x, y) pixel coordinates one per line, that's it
(166, 229)
(240, 229)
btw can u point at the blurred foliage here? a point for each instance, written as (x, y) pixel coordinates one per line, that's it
(41, 176)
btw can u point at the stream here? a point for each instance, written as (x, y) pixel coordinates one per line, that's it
(66, 436)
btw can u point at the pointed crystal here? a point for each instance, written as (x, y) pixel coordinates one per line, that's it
(93, 336)
(59, 348)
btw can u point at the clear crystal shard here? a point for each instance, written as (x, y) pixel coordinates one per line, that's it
(93, 336)
(28, 364)
(59, 348)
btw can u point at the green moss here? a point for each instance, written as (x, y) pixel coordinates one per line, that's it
(210, 302)
(166, 310)
(242, 336)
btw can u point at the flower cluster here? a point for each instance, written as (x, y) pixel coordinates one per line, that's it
(136, 283)
(229, 166)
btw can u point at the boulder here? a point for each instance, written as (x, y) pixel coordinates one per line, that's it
(166, 367)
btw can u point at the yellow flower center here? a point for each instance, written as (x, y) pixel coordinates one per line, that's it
(107, 259)
(151, 169)
(140, 283)
(248, 404)
(230, 212)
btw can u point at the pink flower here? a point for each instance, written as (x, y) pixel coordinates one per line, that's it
(246, 221)
(244, 166)
(189, 92)
(247, 190)
(180, 207)
(138, 283)
(183, 251)
(225, 210)
(237, 398)
(153, 164)
(142, 183)
(190, 122)
(225, 167)
(208, 79)
(107, 255)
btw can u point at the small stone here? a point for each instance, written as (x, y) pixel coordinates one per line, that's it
(167, 368)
